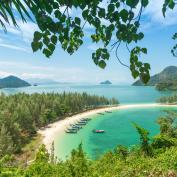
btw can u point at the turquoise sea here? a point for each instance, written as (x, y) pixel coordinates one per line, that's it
(118, 124)
(125, 94)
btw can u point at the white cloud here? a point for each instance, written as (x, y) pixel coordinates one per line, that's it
(24, 30)
(37, 75)
(5, 74)
(154, 12)
(10, 27)
(27, 30)
(14, 47)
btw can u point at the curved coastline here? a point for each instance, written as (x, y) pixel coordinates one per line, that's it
(59, 127)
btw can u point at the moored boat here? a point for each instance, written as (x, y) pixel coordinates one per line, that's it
(98, 131)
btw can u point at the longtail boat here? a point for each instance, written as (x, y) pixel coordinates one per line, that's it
(71, 131)
(98, 131)
(108, 111)
(100, 113)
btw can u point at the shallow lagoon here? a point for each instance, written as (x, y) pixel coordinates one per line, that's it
(118, 127)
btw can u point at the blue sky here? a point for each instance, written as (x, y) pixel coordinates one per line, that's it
(17, 58)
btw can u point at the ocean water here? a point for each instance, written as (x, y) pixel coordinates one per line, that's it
(125, 94)
(119, 130)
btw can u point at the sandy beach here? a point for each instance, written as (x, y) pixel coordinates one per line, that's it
(59, 127)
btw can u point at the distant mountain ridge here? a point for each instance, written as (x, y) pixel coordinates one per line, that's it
(13, 82)
(168, 75)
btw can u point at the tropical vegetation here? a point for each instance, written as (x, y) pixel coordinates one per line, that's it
(167, 86)
(21, 115)
(153, 157)
(168, 99)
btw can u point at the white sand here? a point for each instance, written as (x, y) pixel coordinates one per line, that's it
(59, 127)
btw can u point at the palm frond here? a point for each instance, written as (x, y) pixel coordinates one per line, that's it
(8, 14)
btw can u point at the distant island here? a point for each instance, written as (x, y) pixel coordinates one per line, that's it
(165, 80)
(107, 82)
(13, 82)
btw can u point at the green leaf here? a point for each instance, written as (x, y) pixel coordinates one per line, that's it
(147, 66)
(46, 40)
(132, 3)
(171, 4)
(102, 64)
(145, 77)
(145, 3)
(101, 13)
(144, 50)
(57, 14)
(54, 39)
(140, 36)
(51, 47)
(47, 52)
(37, 36)
(85, 14)
(124, 15)
(77, 20)
(36, 46)
(135, 74)
(70, 50)
(111, 8)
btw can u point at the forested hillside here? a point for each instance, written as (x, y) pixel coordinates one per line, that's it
(167, 79)
(22, 114)
(13, 82)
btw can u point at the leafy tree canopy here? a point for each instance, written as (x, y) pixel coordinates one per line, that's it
(113, 24)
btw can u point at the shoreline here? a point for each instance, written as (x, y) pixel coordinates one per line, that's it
(54, 129)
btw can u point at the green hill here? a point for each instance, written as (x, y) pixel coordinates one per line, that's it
(165, 79)
(13, 82)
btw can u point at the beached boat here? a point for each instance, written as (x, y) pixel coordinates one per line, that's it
(100, 113)
(81, 123)
(98, 131)
(71, 131)
(72, 128)
(87, 119)
(108, 111)
(76, 126)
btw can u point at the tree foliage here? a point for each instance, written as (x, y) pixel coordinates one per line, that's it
(168, 99)
(121, 23)
(113, 24)
(144, 140)
(21, 115)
